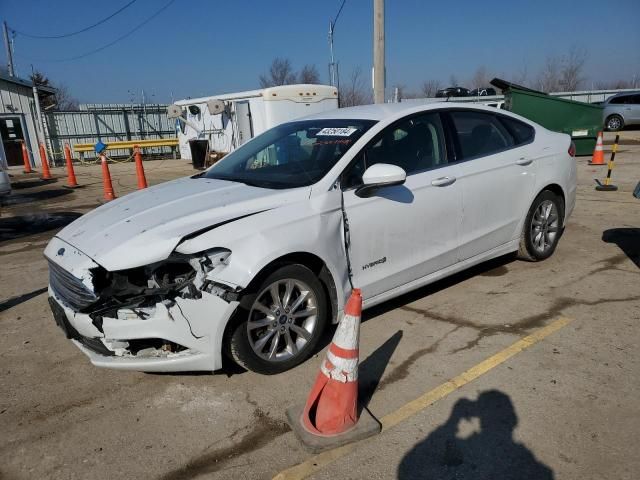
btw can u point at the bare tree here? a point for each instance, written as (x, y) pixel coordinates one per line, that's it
(309, 74)
(453, 80)
(480, 79)
(549, 77)
(354, 91)
(521, 77)
(563, 72)
(64, 100)
(571, 69)
(613, 84)
(429, 88)
(280, 73)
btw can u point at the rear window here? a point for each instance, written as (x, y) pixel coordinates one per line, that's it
(522, 133)
(480, 133)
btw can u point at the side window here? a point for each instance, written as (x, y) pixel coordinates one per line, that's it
(635, 100)
(415, 145)
(480, 133)
(618, 100)
(521, 132)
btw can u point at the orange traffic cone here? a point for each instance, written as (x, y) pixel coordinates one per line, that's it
(598, 152)
(46, 173)
(71, 175)
(330, 416)
(25, 158)
(142, 180)
(106, 179)
(334, 397)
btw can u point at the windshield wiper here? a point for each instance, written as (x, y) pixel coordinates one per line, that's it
(240, 180)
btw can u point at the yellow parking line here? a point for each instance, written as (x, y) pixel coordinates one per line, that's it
(317, 462)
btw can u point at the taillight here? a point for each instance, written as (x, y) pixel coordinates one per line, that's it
(572, 149)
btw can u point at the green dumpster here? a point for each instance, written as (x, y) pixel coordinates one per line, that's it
(582, 121)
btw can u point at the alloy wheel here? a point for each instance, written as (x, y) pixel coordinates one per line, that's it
(545, 225)
(282, 320)
(614, 123)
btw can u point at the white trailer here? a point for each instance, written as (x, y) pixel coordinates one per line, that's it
(243, 115)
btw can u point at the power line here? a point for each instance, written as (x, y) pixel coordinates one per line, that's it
(64, 35)
(120, 38)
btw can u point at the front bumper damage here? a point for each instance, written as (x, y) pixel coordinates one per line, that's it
(183, 334)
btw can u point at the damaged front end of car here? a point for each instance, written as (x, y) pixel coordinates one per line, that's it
(168, 315)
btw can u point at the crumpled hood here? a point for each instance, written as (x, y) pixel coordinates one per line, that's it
(145, 226)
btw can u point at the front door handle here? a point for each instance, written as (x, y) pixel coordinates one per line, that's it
(443, 181)
(524, 161)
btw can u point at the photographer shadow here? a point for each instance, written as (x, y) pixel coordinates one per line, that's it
(490, 453)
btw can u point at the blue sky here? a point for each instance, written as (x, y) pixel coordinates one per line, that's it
(204, 47)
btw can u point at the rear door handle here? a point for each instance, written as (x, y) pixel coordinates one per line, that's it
(443, 181)
(524, 161)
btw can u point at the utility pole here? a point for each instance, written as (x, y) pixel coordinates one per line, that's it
(333, 80)
(5, 31)
(378, 51)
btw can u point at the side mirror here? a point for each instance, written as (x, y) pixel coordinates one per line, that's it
(378, 176)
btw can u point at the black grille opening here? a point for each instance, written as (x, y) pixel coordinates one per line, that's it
(70, 289)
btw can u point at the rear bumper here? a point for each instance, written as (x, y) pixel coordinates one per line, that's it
(197, 325)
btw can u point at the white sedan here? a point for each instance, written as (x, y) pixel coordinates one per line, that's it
(255, 256)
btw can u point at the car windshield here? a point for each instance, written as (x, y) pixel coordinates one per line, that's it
(290, 155)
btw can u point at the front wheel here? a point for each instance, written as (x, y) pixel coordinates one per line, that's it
(614, 123)
(542, 227)
(280, 323)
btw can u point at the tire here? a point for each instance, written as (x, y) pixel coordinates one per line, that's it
(614, 123)
(540, 234)
(262, 321)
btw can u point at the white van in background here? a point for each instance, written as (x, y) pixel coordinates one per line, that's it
(247, 114)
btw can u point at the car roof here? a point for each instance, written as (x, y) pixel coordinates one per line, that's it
(385, 110)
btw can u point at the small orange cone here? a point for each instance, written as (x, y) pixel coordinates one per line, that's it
(598, 152)
(330, 417)
(106, 179)
(142, 180)
(71, 174)
(46, 173)
(25, 158)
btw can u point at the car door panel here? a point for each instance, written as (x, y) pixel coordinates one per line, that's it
(494, 191)
(404, 232)
(496, 178)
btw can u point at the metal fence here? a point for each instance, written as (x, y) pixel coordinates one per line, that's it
(109, 123)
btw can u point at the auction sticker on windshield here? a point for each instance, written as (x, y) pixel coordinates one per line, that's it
(337, 131)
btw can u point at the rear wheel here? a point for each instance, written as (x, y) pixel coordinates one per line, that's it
(614, 123)
(542, 227)
(278, 325)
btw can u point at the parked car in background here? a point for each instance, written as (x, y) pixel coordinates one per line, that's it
(482, 92)
(452, 92)
(252, 257)
(621, 110)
